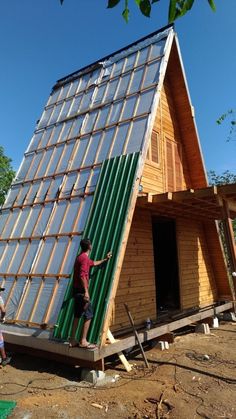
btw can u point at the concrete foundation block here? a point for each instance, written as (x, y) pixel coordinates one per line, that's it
(92, 376)
(162, 345)
(166, 344)
(230, 316)
(203, 328)
(215, 322)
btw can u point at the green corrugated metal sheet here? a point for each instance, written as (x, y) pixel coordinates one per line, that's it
(104, 227)
(6, 408)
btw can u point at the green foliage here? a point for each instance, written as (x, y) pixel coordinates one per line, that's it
(223, 179)
(6, 175)
(145, 7)
(177, 8)
(112, 3)
(230, 117)
(125, 12)
(212, 5)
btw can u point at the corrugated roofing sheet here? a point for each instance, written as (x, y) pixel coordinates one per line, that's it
(104, 227)
(98, 114)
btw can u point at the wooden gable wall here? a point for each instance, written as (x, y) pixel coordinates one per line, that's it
(180, 163)
(171, 172)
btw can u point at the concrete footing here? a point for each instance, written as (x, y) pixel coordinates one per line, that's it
(162, 345)
(215, 323)
(203, 328)
(92, 376)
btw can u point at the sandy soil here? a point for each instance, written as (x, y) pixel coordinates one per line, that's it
(180, 384)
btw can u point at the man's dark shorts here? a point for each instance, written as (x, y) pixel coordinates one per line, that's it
(81, 307)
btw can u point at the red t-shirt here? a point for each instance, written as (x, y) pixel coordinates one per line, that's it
(81, 271)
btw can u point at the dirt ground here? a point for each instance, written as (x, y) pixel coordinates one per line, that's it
(181, 383)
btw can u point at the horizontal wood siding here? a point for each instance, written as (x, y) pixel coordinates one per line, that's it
(197, 280)
(184, 113)
(219, 265)
(137, 280)
(172, 171)
(199, 271)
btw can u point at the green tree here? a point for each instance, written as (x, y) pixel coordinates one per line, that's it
(177, 8)
(223, 179)
(6, 174)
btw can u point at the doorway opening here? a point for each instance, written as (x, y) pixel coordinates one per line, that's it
(166, 264)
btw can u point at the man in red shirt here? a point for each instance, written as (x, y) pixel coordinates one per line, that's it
(82, 304)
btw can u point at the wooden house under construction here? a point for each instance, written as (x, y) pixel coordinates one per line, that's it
(116, 157)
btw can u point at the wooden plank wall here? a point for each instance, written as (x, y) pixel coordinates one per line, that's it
(197, 281)
(137, 285)
(137, 279)
(184, 112)
(219, 263)
(154, 179)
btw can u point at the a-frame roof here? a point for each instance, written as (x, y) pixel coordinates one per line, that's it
(101, 112)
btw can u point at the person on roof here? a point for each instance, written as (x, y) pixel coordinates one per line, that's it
(82, 305)
(5, 359)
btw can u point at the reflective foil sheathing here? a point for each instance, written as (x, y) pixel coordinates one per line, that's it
(97, 114)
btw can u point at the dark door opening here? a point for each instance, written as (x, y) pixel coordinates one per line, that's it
(166, 264)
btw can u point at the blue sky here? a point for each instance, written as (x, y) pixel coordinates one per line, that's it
(42, 41)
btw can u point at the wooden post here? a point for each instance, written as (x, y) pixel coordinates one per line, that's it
(229, 238)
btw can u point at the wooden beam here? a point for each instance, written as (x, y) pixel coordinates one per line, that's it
(230, 242)
(62, 359)
(227, 189)
(162, 198)
(180, 196)
(42, 344)
(208, 192)
(161, 330)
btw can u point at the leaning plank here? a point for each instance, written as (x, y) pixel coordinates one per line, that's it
(123, 359)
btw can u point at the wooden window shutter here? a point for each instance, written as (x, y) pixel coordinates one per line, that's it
(170, 166)
(154, 147)
(174, 174)
(178, 168)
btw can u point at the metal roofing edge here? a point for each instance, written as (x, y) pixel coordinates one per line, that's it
(105, 227)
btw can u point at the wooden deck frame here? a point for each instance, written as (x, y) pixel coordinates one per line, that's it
(201, 203)
(40, 341)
